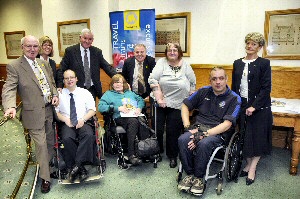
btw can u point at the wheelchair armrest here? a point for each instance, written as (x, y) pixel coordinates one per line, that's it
(120, 129)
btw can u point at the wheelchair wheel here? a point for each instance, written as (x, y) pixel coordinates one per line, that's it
(233, 158)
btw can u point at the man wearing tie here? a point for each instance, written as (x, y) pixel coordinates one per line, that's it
(85, 60)
(33, 80)
(76, 106)
(136, 71)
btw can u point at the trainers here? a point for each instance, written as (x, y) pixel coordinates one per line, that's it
(134, 160)
(198, 187)
(186, 183)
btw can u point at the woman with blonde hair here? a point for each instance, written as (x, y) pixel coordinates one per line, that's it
(46, 51)
(251, 79)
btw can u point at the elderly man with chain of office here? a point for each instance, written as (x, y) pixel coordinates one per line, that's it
(33, 80)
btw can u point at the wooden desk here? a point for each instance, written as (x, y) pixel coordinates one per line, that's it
(289, 118)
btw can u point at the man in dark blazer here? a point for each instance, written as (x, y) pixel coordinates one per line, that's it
(74, 60)
(37, 100)
(130, 70)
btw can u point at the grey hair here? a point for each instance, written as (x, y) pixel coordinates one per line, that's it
(23, 39)
(140, 45)
(86, 31)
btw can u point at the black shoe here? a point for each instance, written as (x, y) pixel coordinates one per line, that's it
(173, 162)
(46, 186)
(74, 173)
(83, 174)
(54, 175)
(243, 173)
(249, 181)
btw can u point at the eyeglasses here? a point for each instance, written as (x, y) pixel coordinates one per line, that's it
(118, 82)
(172, 50)
(30, 46)
(69, 78)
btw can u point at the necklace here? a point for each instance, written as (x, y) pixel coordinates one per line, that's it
(175, 68)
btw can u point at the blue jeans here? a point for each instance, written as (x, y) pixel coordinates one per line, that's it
(195, 161)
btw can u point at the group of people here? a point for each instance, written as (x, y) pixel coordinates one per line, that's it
(170, 83)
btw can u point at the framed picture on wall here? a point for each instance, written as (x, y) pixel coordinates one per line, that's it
(282, 33)
(68, 33)
(13, 44)
(173, 28)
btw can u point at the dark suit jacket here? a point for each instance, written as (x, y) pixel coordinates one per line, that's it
(53, 66)
(128, 70)
(21, 79)
(259, 81)
(73, 60)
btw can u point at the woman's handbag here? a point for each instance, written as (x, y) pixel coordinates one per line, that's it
(149, 146)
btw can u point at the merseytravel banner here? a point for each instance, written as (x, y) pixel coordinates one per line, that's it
(129, 28)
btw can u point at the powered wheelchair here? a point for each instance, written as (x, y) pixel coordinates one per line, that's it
(96, 168)
(229, 154)
(115, 140)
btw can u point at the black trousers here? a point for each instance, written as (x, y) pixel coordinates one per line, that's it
(79, 145)
(172, 119)
(131, 126)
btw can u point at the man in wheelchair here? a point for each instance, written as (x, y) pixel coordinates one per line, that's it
(76, 107)
(218, 108)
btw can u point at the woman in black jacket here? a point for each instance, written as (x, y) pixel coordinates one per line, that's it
(46, 51)
(251, 79)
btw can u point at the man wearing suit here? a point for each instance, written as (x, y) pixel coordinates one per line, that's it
(130, 70)
(33, 80)
(84, 54)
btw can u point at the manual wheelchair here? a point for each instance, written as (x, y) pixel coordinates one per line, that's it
(95, 168)
(116, 141)
(230, 155)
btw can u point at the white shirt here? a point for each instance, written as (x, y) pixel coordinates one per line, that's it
(244, 80)
(84, 102)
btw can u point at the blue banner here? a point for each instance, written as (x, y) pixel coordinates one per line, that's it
(129, 28)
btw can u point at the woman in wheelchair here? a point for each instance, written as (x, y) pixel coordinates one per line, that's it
(125, 103)
(76, 106)
(218, 108)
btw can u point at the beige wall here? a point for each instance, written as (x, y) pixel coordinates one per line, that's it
(217, 30)
(18, 16)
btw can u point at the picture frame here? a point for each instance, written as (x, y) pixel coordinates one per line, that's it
(68, 33)
(282, 34)
(174, 28)
(13, 44)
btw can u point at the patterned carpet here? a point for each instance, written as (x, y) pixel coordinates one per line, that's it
(13, 159)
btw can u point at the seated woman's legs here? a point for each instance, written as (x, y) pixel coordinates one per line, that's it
(131, 126)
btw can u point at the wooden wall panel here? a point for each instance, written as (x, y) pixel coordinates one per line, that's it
(285, 80)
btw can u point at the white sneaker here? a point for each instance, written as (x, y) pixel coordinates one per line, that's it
(197, 187)
(186, 183)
